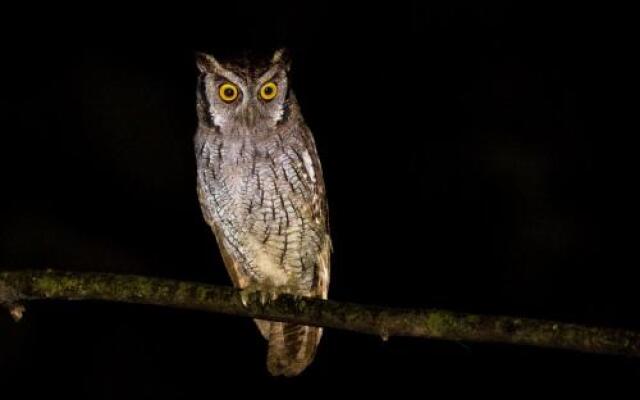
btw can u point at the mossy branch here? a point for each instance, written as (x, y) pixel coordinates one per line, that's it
(19, 287)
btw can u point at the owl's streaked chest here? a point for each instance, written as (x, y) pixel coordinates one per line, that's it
(248, 178)
(261, 198)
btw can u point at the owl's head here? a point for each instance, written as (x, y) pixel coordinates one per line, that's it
(243, 96)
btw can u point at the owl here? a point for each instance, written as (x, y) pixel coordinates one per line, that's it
(261, 190)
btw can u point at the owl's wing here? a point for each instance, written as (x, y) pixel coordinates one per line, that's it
(237, 277)
(230, 263)
(320, 210)
(323, 269)
(233, 269)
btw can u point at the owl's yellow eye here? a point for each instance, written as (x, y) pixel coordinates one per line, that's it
(269, 91)
(228, 92)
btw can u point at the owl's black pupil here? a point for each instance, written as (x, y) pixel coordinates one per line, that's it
(268, 90)
(228, 92)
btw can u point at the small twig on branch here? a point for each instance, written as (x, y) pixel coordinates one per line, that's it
(24, 286)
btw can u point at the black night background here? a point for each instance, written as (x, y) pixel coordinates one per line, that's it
(471, 163)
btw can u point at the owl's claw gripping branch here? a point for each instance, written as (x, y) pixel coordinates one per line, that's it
(27, 286)
(265, 293)
(253, 290)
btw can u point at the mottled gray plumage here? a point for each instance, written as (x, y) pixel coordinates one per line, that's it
(261, 190)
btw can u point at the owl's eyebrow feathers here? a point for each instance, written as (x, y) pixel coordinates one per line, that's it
(271, 73)
(229, 76)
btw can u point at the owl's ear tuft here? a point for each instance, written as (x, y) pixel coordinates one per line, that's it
(281, 56)
(206, 63)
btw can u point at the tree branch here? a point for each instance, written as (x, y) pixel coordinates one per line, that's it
(23, 286)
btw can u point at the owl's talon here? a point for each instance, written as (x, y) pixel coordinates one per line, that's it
(266, 293)
(246, 293)
(244, 296)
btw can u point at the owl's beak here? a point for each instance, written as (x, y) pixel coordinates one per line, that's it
(249, 115)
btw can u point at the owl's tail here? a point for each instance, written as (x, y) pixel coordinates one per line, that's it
(291, 347)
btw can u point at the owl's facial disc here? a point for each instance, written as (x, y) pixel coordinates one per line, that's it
(240, 97)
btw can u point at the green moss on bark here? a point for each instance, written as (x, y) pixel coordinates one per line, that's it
(24, 286)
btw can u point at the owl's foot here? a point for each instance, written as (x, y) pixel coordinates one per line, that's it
(266, 293)
(250, 290)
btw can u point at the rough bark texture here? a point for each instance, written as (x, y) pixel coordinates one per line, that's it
(17, 288)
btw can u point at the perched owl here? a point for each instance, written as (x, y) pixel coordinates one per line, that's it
(261, 190)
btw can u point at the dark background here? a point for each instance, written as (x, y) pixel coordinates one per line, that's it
(474, 160)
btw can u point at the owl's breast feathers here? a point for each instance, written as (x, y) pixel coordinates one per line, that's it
(266, 204)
